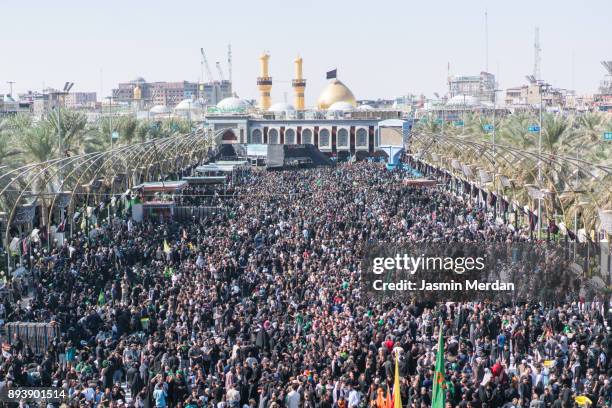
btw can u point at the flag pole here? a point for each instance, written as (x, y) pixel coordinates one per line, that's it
(438, 398)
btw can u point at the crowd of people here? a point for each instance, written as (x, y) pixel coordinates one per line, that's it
(259, 304)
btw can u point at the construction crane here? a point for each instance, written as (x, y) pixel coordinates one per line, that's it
(229, 61)
(220, 71)
(204, 64)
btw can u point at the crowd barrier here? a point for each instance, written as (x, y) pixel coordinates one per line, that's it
(187, 213)
(37, 335)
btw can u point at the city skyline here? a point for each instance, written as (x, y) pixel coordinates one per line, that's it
(390, 50)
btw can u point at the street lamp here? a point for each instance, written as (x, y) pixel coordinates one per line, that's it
(495, 91)
(110, 118)
(541, 87)
(463, 116)
(67, 87)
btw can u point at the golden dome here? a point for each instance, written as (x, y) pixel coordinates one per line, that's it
(335, 91)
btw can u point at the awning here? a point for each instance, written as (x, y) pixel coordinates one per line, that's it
(162, 186)
(205, 179)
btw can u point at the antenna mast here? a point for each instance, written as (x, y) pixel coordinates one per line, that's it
(536, 54)
(229, 61)
(486, 41)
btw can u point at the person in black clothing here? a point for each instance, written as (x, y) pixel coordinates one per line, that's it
(264, 293)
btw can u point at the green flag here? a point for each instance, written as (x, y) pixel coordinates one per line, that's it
(101, 298)
(439, 384)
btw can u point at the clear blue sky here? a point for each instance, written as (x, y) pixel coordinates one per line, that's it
(381, 48)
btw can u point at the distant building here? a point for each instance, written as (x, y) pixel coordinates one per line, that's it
(342, 129)
(602, 100)
(529, 96)
(214, 92)
(516, 96)
(42, 102)
(170, 94)
(80, 100)
(8, 105)
(479, 86)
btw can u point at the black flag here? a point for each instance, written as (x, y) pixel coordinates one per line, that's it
(332, 74)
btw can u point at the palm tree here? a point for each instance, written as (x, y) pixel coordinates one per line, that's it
(8, 151)
(97, 137)
(513, 132)
(128, 126)
(588, 131)
(142, 131)
(70, 126)
(475, 127)
(38, 145)
(174, 126)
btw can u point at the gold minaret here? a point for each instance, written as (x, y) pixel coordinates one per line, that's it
(264, 83)
(299, 84)
(137, 93)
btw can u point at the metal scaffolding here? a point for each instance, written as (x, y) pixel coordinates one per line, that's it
(64, 186)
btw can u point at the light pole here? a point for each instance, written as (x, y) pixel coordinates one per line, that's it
(110, 119)
(443, 115)
(541, 86)
(463, 116)
(61, 99)
(494, 114)
(540, 166)
(189, 115)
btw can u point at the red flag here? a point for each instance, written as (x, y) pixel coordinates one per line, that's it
(62, 225)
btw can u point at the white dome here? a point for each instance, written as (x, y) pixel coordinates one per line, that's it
(340, 106)
(463, 100)
(232, 104)
(159, 109)
(188, 104)
(365, 107)
(281, 107)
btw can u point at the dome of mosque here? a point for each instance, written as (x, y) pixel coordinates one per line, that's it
(463, 100)
(188, 104)
(159, 109)
(365, 107)
(335, 91)
(281, 107)
(232, 104)
(341, 106)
